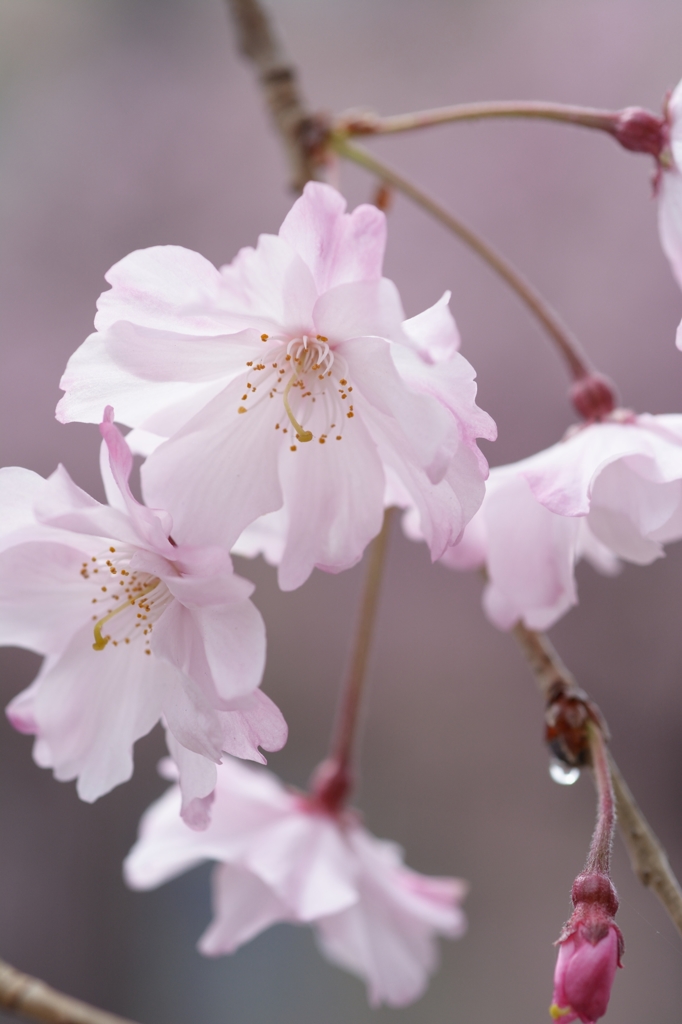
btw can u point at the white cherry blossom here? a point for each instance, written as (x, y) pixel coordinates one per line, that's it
(287, 380)
(610, 491)
(281, 857)
(134, 626)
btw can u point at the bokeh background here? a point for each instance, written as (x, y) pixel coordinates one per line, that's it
(128, 123)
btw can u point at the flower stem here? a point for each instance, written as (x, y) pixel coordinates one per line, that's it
(370, 124)
(568, 345)
(647, 856)
(599, 856)
(334, 778)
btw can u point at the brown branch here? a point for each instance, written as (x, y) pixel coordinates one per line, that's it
(32, 999)
(647, 856)
(303, 133)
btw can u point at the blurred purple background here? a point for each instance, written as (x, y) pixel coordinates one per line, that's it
(128, 123)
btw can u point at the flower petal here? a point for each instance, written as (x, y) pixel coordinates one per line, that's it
(219, 472)
(93, 379)
(221, 648)
(336, 246)
(360, 309)
(43, 598)
(165, 287)
(434, 331)
(197, 780)
(91, 707)
(333, 494)
(243, 907)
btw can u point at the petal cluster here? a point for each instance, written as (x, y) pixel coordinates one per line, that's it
(282, 858)
(610, 491)
(288, 382)
(134, 625)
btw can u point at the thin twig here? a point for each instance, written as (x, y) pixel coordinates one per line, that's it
(568, 345)
(32, 999)
(333, 781)
(302, 132)
(352, 691)
(361, 123)
(647, 856)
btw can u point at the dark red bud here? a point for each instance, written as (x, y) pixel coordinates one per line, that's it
(593, 396)
(640, 131)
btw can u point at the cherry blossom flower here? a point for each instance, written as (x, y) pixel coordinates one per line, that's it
(133, 626)
(609, 491)
(286, 380)
(282, 857)
(590, 951)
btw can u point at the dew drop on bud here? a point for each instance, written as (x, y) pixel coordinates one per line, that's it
(563, 774)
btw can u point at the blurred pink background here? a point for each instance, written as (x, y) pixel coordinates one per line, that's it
(128, 123)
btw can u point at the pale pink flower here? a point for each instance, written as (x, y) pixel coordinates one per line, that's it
(610, 491)
(286, 380)
(281, 857)
(133, 626)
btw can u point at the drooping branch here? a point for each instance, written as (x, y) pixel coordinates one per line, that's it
(647, 856)
(302, 132)
(28, 997)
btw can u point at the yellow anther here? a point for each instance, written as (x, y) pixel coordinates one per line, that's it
(557, 1012)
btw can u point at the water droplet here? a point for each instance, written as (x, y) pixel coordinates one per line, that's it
(563, 774)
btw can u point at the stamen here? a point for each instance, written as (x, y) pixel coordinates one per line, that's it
(301, 434)
(102, 641)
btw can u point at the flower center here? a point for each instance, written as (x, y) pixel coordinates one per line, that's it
(132, 601)
(310, 379)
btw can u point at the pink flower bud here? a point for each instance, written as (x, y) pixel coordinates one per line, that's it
(590, 949)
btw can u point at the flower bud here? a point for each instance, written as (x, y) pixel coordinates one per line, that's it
(641, 131)
(590, 948)
(593, 397)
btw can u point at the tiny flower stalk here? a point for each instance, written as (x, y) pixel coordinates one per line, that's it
(635, 128)
(591, 944)
(333, 780)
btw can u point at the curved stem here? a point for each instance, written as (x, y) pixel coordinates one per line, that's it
(567, 344)
(647, 856)
(333, 781)
(31, 998)
(586, 117)
(599, 856)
